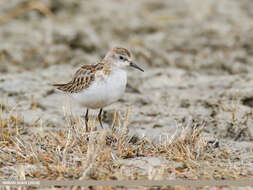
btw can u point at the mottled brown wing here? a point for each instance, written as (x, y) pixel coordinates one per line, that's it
(81, 80)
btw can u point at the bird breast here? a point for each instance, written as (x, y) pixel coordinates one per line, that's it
(105, 89)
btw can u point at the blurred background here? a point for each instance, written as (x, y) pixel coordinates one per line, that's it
(197, 56)
(213, 37)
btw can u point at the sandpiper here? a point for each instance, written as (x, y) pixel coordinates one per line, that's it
(97, 86)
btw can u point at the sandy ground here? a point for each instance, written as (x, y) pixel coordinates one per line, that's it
(197, 56)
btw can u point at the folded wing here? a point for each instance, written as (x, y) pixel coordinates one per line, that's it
(81, 80)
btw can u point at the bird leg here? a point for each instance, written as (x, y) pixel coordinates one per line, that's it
(86, 120)
(99, 117)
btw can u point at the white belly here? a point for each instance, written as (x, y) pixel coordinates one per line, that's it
(104, 92)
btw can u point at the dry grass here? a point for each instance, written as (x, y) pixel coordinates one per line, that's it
(72, 153)
(22, 8)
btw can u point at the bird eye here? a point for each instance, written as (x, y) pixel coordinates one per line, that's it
(121, 57)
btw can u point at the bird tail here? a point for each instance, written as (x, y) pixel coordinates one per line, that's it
(59, 86)
(63, 87)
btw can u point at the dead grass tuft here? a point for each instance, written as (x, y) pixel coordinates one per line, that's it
(72, 153)
(20, 9)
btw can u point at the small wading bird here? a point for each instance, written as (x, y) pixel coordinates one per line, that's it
(97, 86)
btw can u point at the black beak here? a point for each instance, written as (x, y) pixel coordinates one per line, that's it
(136, 66)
